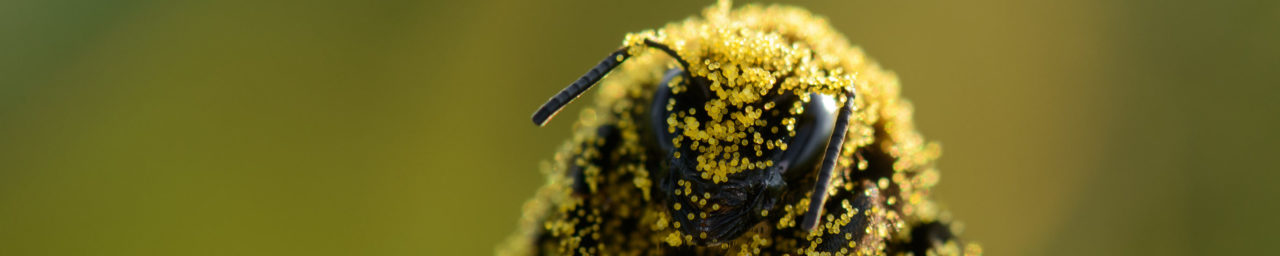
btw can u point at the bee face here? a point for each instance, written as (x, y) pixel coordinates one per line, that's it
(725, 208)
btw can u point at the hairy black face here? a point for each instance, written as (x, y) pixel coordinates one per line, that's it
(716, 212)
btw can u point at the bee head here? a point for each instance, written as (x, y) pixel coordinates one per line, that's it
(745, 114)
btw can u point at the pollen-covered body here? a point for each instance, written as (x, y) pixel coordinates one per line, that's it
(610, 189)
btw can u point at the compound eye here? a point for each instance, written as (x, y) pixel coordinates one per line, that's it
(663, 103)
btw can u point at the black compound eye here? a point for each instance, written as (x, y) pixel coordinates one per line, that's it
(658, 112)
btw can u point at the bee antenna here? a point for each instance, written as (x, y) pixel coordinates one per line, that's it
(576, 89)
(571, 92)
(664, 48)
(819, 196)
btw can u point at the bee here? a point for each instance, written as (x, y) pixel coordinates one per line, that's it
(756, 130)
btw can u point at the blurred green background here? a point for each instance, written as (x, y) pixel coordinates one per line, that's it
(401, 127)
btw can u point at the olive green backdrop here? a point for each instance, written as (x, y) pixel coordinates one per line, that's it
(401, 127)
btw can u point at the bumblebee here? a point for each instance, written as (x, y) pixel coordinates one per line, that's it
(756, 130)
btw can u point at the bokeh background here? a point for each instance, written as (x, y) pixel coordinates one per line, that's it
(401, 127)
